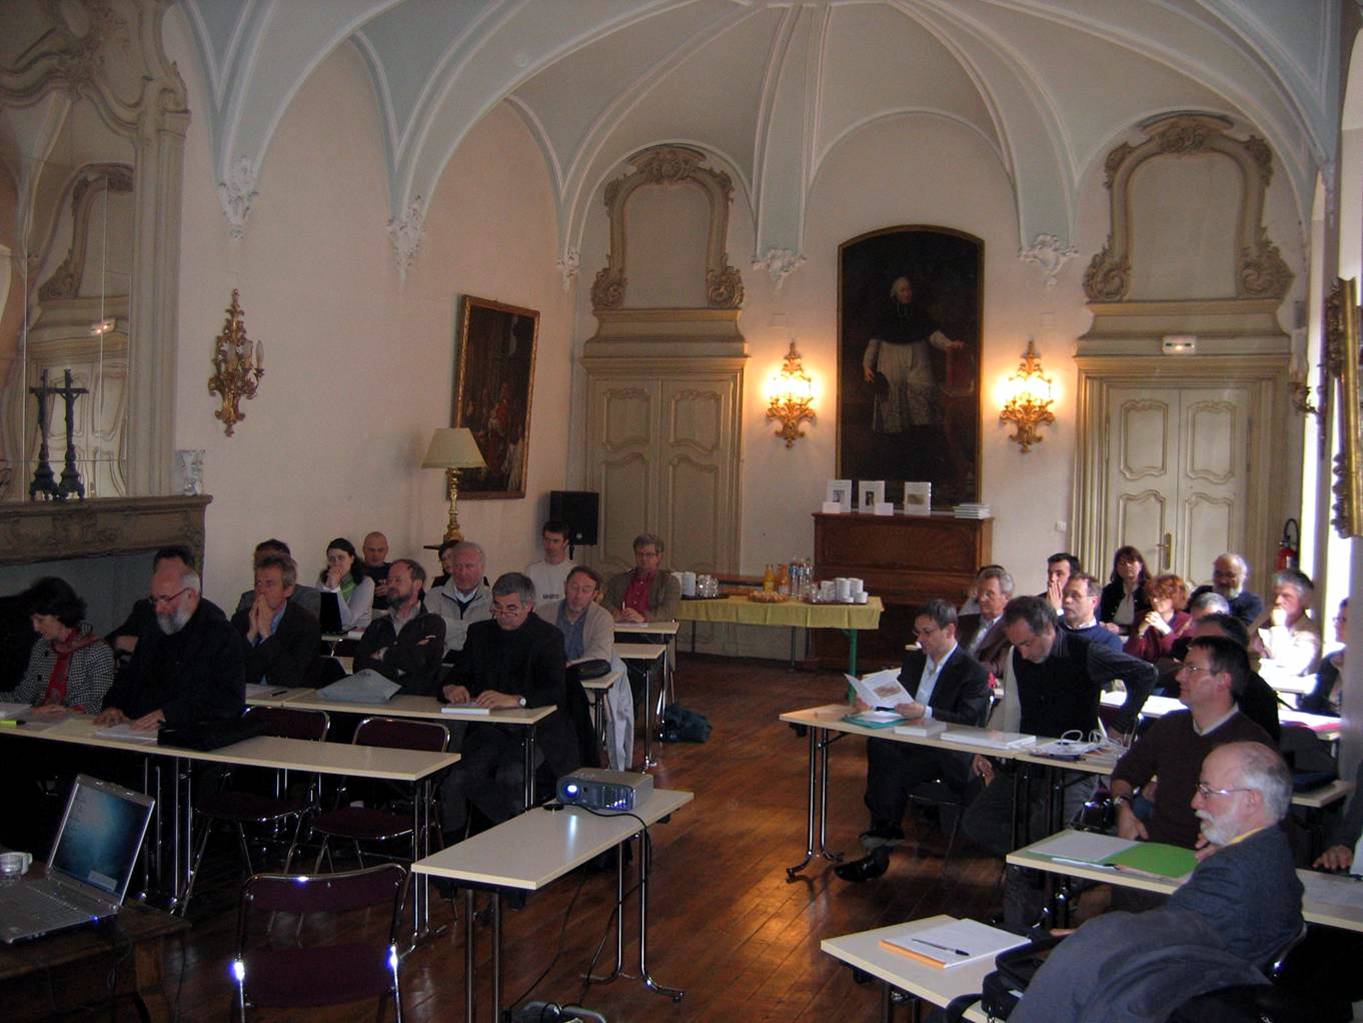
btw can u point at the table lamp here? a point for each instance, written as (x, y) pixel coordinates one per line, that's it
(453, 448)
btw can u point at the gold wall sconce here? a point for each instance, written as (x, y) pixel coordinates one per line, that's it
(453, 448)
(238, 365)
(1029, 399)
(790, 393)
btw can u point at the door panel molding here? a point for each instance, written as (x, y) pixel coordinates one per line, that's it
(1262, 378)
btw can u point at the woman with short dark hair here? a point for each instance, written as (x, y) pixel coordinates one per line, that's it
(69, 666)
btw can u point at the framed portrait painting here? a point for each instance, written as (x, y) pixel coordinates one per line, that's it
(492, 392)
(910, 311)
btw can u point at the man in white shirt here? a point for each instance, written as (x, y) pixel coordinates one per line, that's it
(943, 682)
(463, 598)
(551, 574)
(1286, 637)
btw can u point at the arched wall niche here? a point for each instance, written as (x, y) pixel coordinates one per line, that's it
(669, 167)
(1260, 272)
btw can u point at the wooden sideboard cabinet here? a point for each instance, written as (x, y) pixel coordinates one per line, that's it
(903, 559)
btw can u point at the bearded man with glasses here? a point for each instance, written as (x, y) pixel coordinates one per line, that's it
(187, 666)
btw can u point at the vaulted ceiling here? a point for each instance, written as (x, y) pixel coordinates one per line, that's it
(773, 87)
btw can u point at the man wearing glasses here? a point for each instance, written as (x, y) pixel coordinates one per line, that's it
(187, 666)
(1211, 678)
(1239, 908)
(515, 660)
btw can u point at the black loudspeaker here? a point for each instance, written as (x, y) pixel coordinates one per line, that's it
(579, 509)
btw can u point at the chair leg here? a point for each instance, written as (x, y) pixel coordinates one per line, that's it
(183, 908)
(321, 851)
(245, 849)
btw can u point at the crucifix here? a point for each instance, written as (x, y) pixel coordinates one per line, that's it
(44, 481)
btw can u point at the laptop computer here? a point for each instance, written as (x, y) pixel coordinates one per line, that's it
(89, 868)
(329, 613)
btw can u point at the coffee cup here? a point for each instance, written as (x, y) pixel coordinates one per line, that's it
(842, 589)
(688, 584)
(855, 586)
(12, 864)
(861, 598)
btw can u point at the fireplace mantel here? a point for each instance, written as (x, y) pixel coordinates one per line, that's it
(39, 531)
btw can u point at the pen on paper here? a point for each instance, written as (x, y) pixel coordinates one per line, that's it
(944, 948)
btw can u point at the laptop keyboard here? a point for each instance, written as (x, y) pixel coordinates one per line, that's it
(38, 907)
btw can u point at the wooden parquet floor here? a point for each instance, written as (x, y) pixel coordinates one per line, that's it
(726, 925)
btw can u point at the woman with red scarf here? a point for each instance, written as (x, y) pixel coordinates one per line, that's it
(69, 667)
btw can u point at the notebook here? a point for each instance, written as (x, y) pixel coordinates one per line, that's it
(90, 867)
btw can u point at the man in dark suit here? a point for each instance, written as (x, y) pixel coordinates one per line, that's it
(1238, 908)
(946, 684)
(280, 640)
(981, 635)
(515, 660)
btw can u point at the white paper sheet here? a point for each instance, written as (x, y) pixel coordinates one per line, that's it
(1084, 846)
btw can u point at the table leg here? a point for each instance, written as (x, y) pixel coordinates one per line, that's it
(619, 920)
(792, 647)
(528, 752)
(819, 741)
(421, 848)
(182, 845)
(648, 718)
(470, 960)
(496, 955)
(676, 994)
(886, 1003)
(792, 872)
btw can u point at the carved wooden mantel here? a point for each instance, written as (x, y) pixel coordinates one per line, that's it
(54, 530)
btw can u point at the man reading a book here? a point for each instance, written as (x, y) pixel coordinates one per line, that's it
(945, 684)
(1239, 908)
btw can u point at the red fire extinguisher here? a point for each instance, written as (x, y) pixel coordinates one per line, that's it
(1289, 545)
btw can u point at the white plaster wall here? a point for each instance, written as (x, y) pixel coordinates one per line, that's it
(911, 170)
(358, 364)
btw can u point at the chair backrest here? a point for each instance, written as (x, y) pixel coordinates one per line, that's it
(292, 723)
(341, 969)
(403, 733)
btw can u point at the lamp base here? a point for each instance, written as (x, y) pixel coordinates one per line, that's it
(452, 531)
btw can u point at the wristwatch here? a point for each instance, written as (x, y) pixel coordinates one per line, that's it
(521, 700)
(1119, 800)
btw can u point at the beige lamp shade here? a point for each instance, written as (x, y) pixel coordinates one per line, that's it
(453, 447)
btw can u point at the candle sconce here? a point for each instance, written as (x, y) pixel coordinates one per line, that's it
(238, 365)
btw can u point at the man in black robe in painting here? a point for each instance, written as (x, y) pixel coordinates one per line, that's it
(907, 418)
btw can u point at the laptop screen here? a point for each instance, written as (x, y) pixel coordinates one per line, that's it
(329, 612)
(101, 835)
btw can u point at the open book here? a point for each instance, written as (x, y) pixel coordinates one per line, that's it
(880, 690)
(951, 944)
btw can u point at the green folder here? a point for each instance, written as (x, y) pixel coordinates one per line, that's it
(1155, 858)
(856, 719)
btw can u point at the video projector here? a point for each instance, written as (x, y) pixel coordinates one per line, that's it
(604, 790)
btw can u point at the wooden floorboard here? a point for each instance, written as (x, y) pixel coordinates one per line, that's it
(726, 925)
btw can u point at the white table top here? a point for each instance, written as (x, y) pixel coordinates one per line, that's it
(830, 716)
(539, 846)
(604, 682)
(1158, 706)
(939, 987)
(640, 651)
(274, 696)
(264, 751)
(667, 628)
(405, 705)
(1336, 901)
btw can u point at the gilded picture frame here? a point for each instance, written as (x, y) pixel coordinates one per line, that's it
(493, 388)
(1342, 357)
(909, 405)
